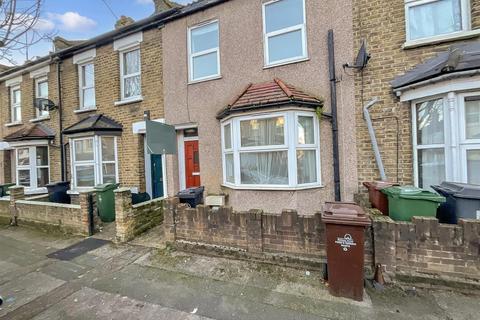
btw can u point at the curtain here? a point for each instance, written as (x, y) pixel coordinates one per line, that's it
(264, 167)
(472, 119)
(262, 132)
(435, 18)
(430, 122)
(473, 166)
(306, 166)
(431, 167)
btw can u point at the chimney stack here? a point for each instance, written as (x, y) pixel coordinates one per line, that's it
(123, 22)
(164, 5)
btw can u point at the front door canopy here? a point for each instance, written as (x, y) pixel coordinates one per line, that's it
(161, 138)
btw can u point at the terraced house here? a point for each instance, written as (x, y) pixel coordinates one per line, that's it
(247, 86)
(77, 114)
(424, 71)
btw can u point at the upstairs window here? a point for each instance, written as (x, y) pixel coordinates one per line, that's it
(41, 92)
(434, 18)
(204, 52)
(284, 31)
(131, 84)
(16, 104)
(87, 86)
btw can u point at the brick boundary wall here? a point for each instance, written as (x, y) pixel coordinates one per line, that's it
(132, 220)
(255, 233)
(64, 217)
(426, 249)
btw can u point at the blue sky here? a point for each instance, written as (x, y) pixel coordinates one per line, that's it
(84, 19)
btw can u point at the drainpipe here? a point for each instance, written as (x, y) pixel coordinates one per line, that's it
(371, 132)
(58, 62)
(333, 99)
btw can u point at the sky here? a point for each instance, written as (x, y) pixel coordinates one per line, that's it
(83, 19)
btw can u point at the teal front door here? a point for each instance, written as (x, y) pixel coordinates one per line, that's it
(157, 176)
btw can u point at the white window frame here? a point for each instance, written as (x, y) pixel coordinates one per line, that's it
(266, 36)
(466, 20)
(32, 166)
(83, 87)
(97, 161)
(123, 77)
(290, 145)
(17, 105)
(191, 55)
(41, 114)
(455, 143)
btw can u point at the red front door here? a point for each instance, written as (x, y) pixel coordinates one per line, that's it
(192, 164)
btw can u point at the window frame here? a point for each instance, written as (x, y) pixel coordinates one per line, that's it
(465, 12)
(15, 105)
(97, 161)
(82, 87)
(191, 55)
(37, 81)
(123, 77)
(291, 146)
(32, 167)
(465, 144)
(266, 36)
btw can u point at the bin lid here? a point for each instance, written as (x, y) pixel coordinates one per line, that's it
(379, 185)
(195, 190)
(344, 213)
(413, 193)
(105, 187)
(459, 190)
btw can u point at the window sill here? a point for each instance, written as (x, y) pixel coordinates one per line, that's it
(35, 191)
(443, 38)
(273, 188)
(13, 124)
(40, 119)
(128, 101)
(205, 80)
(85, 110)
(279, 64)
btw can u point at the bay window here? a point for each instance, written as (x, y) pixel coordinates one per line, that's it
(446, 133)
(278, 150)
(32, 166)
(433, 18)
(284, 31)
(204, 52)
(94, 161)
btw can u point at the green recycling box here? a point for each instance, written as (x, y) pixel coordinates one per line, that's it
(406, 202)
(106, 201)
(4, 189)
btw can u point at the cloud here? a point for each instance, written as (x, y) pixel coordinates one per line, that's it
(44, 25)
(72, 21)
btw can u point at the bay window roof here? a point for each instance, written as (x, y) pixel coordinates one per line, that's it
(94, 123)
(450, 63)
(35, 132)
(274, 93)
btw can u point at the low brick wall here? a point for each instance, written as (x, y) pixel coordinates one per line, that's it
(37, 212)
(132, 220)
(424, 248)
(287, 234)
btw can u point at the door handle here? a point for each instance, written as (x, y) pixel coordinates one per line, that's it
(195, 173)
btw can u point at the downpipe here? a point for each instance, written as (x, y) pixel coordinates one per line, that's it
(373, 138)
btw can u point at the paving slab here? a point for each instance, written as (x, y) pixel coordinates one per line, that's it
(92, 304)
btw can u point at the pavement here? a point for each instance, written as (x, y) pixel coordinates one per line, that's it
(136, 281)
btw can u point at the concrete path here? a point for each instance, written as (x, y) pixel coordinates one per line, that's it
(137, 282)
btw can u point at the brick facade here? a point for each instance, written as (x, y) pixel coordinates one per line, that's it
(131, 161)
(382, 24)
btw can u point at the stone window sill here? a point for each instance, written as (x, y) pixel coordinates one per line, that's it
(40, 119)
(85, 110)
(12, 124)
(129, 101)
(443, 38)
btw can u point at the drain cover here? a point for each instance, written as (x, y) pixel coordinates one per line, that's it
(78, 249)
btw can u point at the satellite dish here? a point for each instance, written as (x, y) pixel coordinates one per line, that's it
(44, 104)
(362, 58)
